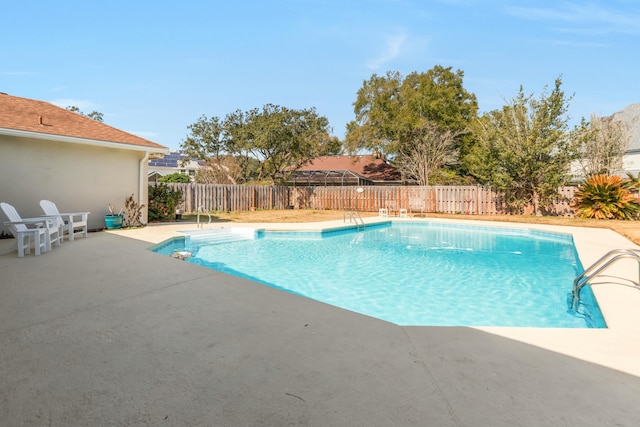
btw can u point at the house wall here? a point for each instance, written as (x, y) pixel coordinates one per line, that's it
(190, 169)
(75, 177)
(630, 165)
(631, 162)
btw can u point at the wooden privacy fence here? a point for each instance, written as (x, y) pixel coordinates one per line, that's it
(222, 197)
(473, 200)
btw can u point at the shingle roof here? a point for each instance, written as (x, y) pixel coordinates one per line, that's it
(367, 166)
(29, 115)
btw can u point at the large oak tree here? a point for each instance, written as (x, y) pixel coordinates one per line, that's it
(393, 114)
(280, 139)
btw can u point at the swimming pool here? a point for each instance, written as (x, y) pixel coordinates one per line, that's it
(415, 273)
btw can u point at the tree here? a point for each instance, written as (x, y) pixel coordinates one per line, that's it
(220, 170)
(376, 109)
(209, 140)
(603, 143)
(525, 148)
(205, 139)
(98, 117)
(393, 112)
(95, 115)
(419, 122)
(281, 138)
(437, 96)
(430, 149)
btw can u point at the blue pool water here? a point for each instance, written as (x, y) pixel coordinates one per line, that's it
(416, 273)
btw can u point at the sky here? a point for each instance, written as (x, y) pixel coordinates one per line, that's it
(154, 68)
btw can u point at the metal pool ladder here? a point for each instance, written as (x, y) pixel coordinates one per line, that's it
(201, 209)
(354, 216)
(598, 267)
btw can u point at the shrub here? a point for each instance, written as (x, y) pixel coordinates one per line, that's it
(132, 213)
(163, 201)
(175, 177)
(606, 197)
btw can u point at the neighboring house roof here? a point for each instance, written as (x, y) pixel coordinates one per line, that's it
(367, 167)
(173, 159)
(28, 117)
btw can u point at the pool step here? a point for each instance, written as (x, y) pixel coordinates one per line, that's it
(219, 235)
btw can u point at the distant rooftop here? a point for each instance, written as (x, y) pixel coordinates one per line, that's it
(172, 160)
(367, 166)
(346, 170)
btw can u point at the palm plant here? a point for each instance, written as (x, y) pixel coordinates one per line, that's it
(607, 197)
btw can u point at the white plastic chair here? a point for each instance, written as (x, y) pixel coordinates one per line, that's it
(70, 223)
(416, 204)
(42, 230)
(392, 208)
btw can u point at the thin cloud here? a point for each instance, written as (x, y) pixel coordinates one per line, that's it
(17, 73)
(394, 46)
(595, 18)
(581, 44)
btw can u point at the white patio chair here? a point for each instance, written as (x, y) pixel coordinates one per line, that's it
(416, 204)
(70, 223)
(392, 208)
(42, 230)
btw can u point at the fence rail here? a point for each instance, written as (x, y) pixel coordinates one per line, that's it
(473, 200)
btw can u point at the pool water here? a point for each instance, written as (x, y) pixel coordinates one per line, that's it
(416, 273)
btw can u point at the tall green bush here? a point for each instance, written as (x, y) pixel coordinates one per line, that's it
(163, 201)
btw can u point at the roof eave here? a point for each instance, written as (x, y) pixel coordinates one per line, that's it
(83, 141)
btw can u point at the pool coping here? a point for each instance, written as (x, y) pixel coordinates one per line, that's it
(617, 346)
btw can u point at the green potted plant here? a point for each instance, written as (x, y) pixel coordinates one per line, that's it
(113, 220)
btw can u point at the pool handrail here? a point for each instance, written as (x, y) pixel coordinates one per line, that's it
(598, 267)
(354, 216)
(202, 209)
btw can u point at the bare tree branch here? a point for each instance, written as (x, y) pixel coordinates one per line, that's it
(603, 143)
(426, 150)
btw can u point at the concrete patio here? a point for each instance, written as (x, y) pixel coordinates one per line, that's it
(101, 331)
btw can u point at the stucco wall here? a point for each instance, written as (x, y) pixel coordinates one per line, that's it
(75, 177)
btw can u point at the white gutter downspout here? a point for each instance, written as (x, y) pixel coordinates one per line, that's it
(143, 162)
